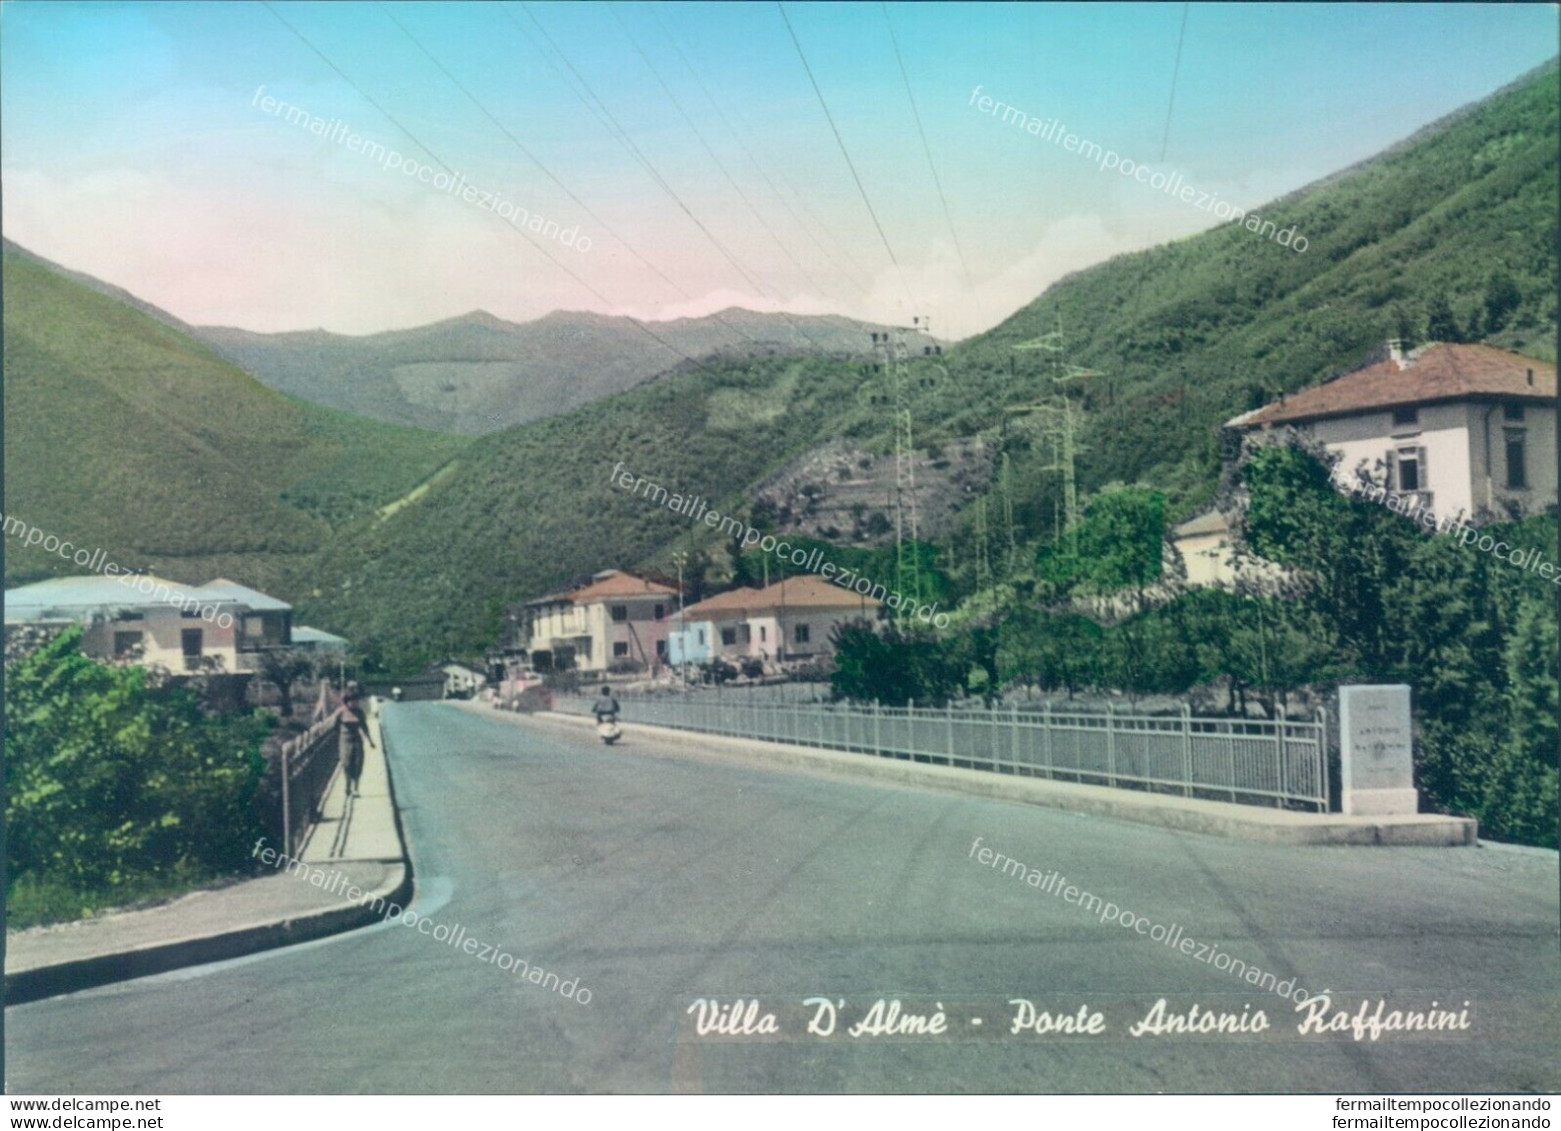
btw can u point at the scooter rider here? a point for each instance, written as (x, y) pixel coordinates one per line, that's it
(606, 707)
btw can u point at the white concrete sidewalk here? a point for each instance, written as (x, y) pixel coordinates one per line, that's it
(361, 827)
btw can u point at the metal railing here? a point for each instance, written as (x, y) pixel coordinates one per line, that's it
(1249, 761)
(308, 762)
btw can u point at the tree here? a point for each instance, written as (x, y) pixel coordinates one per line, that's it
(892, 667)
(1403, 329)
(281, 668)
(1441, 326)
(1072, 652)
(1118, 544)
(975, 653)
(111, 779)
(1020, 648)
(1351, 550)
(1502, 298)
(742, 573)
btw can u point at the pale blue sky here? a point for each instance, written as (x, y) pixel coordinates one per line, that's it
(135, 149)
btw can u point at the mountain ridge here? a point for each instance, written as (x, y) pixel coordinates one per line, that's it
(477, 373)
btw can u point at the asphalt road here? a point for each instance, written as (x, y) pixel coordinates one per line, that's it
(656, 878)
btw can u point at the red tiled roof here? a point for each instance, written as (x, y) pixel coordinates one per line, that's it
(805, 592)
(620, 584)
(1440, 373)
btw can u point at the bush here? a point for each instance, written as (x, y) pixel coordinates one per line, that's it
(115, 785)
(893, 667)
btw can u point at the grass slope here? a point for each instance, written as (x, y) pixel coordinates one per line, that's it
(477, 373)
(1188, 334)
(531, 509)
(1194, 332)
(122, 433)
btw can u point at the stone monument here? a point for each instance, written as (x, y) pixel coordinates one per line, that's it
(1376, 751)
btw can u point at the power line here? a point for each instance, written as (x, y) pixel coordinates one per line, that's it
(843, 151)
(808, 212)
(738, 189)
(927, 149)
(1176, 69)
(649, 167)
(752, 160)
(385, 10)
(438, 161)
(541, 165)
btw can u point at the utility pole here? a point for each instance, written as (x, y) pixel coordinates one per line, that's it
(983, 557)
(680, 559)
(1006, 486)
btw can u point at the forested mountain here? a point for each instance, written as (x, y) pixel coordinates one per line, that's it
(121, 429)
(1450, 235)
(1187, 335)
(478, 373)
(122, 433)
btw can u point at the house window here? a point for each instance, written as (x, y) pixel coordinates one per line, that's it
(252, 633)
(1517, 462)
(1403, 416)
(661, 648)
(1513, 410)
(728, 636)
(128, 615)
(764, 635)
(800, 634)
(701, 636)
(620, 648)
(747, 631)
(1411, 469)
(620, 612)
(189, 612)
(661, 611)
(125, 641)
(190, 641)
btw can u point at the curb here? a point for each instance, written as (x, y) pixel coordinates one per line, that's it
(103, 969)
(1212, 818)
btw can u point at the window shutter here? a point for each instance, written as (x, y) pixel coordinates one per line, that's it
(1392, 483)
(1425, 470)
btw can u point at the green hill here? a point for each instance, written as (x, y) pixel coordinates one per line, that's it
(1188, 334)
(532, 508)
(124, 434)
(1191, 333)
(478, 374)
(126, 430)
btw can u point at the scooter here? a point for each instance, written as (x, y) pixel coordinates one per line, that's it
(608, 730)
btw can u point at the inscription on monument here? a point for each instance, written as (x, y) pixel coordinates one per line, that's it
(1376, 749)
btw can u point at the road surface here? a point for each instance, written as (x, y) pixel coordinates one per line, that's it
(655, 878)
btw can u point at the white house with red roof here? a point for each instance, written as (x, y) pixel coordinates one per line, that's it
(619, 617)
(1459, 431)
(789, 620)
(1446, 432)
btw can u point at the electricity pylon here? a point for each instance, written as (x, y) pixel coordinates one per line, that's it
(1006, 489)
(889, 345)
(983, 558)
(1061, 422)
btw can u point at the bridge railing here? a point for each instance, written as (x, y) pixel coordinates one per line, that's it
(308, 762)
(1281, 762)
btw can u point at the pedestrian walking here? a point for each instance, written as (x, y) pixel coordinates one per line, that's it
(354, 733)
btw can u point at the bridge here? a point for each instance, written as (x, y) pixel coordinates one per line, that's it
(662, 873)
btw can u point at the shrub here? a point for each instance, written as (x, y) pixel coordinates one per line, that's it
(116, 785)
